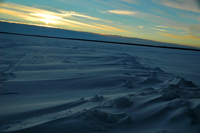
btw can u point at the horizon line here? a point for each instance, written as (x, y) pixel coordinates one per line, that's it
(78, 39)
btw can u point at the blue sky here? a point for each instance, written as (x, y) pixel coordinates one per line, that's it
(172, 21)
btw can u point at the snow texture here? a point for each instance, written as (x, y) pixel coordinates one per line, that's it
(57, 86)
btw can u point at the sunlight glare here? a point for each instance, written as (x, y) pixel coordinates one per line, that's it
(46, 21)
(46, 18)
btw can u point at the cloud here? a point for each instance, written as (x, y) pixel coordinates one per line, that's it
(190, 16)
(141, 26)
(81, 3)
(158, 29)
(161, 12)
(37, 10)
(36, 17)
(152, 18)
(161, 21)
(1, 1)
(134, 2)
(76, 14)
(122, 4)
(193, 37)
(161, 26)
(173, 36)
(123, 12)
(198, 3)
(165, 21)
(187, 5)
(63, 18)
(72, 13)
(194, 28)
(109, 27)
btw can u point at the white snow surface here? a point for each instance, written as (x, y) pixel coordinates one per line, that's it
(63, 86)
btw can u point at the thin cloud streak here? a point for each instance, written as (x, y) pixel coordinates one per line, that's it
(160, 26)
(173, 36)
(193, 37)
(158, 29)
(123, 12)
(108, 27)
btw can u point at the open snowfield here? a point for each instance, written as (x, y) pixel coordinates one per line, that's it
(63, 86)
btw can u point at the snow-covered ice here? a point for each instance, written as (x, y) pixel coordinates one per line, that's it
(63, 86)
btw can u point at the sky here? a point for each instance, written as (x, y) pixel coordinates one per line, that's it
(171, 21)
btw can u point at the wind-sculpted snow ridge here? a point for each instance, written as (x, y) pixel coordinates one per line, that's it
(120, 102)
(49, 85)
(182, 88)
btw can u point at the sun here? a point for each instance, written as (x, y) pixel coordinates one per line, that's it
(47, 21)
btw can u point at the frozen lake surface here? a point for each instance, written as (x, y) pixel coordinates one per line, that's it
(52, 85)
